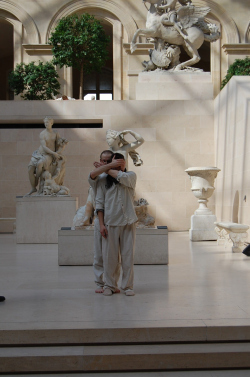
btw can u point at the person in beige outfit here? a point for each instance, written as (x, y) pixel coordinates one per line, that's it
(104, 165)
(117, 217)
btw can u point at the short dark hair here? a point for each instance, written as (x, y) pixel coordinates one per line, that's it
(118, 156)
(107, 151)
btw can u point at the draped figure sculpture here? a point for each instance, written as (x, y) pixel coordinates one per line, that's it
(47, 162)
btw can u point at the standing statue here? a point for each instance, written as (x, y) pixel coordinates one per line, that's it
(184, 27)
(118, 144)
(48, 162)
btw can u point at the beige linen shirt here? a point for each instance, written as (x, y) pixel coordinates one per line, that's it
(117, 202)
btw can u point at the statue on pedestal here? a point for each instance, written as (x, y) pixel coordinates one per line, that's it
(168, 28)
(48, 163)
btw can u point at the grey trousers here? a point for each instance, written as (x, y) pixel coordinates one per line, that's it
(121, 239)
(98, 259)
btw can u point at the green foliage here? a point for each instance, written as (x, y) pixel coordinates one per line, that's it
(241, 67)
(35, 81)
(80, 42)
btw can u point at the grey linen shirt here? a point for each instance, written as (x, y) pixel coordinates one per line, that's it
(117, 202)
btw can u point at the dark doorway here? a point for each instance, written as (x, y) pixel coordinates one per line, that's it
(204, 53)
(97, 85)
(6, 59)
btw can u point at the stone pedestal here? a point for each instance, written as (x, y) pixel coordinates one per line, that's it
(76, 247)
(163, 85)
(202, 228)
(38, 218)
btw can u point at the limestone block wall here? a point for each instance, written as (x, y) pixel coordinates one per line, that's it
(178, 135)
(232, 121)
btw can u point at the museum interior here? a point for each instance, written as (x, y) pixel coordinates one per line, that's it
(158, 100)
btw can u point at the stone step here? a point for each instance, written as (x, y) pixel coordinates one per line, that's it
(83, 333)
(124, 358)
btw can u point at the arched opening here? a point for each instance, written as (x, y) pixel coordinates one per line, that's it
(6, 58)
(97, 85)
(205, 54)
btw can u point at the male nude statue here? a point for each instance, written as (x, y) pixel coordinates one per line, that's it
(42, 158)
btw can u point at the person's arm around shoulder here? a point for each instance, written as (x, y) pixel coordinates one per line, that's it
(104, 168)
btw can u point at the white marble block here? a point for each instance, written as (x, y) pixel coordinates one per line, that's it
(202, 228)
(163, 85)
(38, 218)
(76, 247)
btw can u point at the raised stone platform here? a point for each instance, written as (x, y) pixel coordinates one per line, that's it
(202, 228)
(38, 218)
(163, 85)
(76, 247)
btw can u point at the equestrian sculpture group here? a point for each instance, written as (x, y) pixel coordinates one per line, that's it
(168, 28)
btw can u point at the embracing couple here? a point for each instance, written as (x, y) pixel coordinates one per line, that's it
(114, 239)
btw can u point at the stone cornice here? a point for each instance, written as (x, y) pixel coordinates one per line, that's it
(38, 49)
(237, 48)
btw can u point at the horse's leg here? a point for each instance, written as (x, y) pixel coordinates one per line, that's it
(192, 52)
(142, 32)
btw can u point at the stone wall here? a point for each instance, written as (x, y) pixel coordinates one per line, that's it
(232, 122)
(178, 135)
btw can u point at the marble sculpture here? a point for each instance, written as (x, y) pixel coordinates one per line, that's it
(47, 165)
(145, 220)
(168, 28)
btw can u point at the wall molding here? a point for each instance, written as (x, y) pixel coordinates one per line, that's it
(120, 12)
(27, 21)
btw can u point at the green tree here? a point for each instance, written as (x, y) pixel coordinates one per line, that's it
(80, 42)
(241, 67)
(35, 81)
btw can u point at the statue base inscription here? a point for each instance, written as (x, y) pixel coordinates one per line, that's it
(202, 228)
(39, 218)
(182, 85)
(76, 247)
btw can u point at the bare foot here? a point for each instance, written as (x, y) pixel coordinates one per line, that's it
(117, 290)
(99, 290)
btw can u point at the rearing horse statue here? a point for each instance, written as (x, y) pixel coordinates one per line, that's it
(185, 27)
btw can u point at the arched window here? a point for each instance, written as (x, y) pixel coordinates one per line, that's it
(6, 58)
(97, 85)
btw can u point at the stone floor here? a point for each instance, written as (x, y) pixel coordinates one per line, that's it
(204, 285)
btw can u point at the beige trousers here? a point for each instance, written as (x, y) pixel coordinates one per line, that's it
(120, 239)
(98, 259)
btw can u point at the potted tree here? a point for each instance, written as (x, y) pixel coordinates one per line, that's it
(36, 81)
(79, 41)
